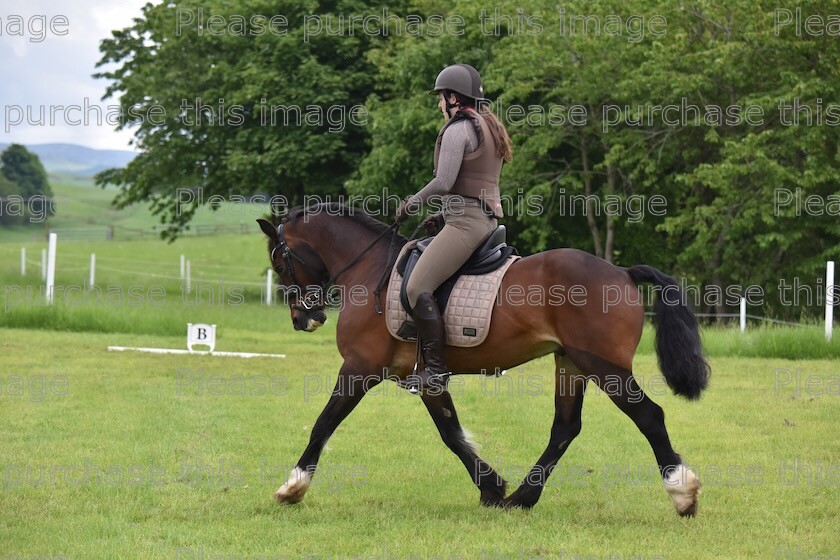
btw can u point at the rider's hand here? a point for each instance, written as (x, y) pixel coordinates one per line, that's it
(433, 223)
(408, 207)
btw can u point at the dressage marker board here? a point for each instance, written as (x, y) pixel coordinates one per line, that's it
(197, 334)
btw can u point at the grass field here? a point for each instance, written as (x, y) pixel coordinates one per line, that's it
(108, 455)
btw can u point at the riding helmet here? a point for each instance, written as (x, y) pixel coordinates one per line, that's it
(460, 78)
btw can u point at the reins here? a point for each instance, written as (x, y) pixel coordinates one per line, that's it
(393, 228)
(288, 254)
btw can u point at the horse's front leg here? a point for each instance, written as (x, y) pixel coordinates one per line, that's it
(442, 411)
(350, 387)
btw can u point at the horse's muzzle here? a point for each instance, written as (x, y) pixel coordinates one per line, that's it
(309, 321)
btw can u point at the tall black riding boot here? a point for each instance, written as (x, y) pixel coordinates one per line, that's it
(432, 338)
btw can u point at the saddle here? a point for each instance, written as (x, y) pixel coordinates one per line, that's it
(490, 255)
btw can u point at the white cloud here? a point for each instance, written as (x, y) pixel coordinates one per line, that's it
(105, 14)
(49, 71)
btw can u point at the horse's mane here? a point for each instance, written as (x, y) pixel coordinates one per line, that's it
(350, 212)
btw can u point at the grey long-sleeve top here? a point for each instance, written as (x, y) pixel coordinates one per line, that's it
(458, 139)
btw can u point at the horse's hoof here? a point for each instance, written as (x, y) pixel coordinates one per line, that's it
(514, 504)
(517, 500)
(684, 488)
(295, 488)
(492, 500)
(281, 497)
(690, 512)
(495, 496)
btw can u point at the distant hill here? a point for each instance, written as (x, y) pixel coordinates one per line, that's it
(78, 160)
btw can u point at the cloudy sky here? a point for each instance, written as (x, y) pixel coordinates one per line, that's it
(42, 69)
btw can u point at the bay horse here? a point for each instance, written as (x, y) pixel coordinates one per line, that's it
(593, 337)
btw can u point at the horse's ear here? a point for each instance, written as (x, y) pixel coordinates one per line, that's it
(269, 229)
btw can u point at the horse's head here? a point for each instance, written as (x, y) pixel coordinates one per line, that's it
(302, 272)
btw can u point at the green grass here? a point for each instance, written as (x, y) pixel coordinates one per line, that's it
(193, 470)
(138, 287)
(761, 341)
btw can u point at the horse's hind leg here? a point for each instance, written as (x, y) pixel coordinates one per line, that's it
(442, 411)
(680, 481)
(570, 386)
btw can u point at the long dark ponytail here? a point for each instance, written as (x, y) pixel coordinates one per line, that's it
(501, 139)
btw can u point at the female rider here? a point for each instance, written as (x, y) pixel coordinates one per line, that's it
(469, 152)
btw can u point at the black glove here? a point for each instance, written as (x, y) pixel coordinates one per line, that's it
(433, 223)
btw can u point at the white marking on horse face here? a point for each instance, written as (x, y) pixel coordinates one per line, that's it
(684, 488)
(468, 440)
(292, 492)
(312, 324)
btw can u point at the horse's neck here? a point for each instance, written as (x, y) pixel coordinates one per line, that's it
(342, 245)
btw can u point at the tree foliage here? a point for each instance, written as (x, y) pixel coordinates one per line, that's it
(24, 170)
(8, 192)
(664, 115)
(202, 103)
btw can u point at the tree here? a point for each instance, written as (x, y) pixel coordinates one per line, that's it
(25, 170)
(9, 192)
(568, 158)
(727, 228)
(527, 66)
(721, 176)
(202, 101)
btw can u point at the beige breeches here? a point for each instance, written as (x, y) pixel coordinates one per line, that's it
(465, 229)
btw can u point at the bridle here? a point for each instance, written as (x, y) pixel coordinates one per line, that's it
(313, 299)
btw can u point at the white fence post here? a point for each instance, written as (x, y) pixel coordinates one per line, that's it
(44, 264)
(51, 269)
(829, 299)
(743, 314)
(182, 268)
(188, 276)
(268, 288)
(23, 261)
(92, 270)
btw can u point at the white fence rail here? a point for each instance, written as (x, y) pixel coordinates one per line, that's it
(269, 289)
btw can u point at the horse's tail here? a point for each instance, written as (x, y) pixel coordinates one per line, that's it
(677, 335)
